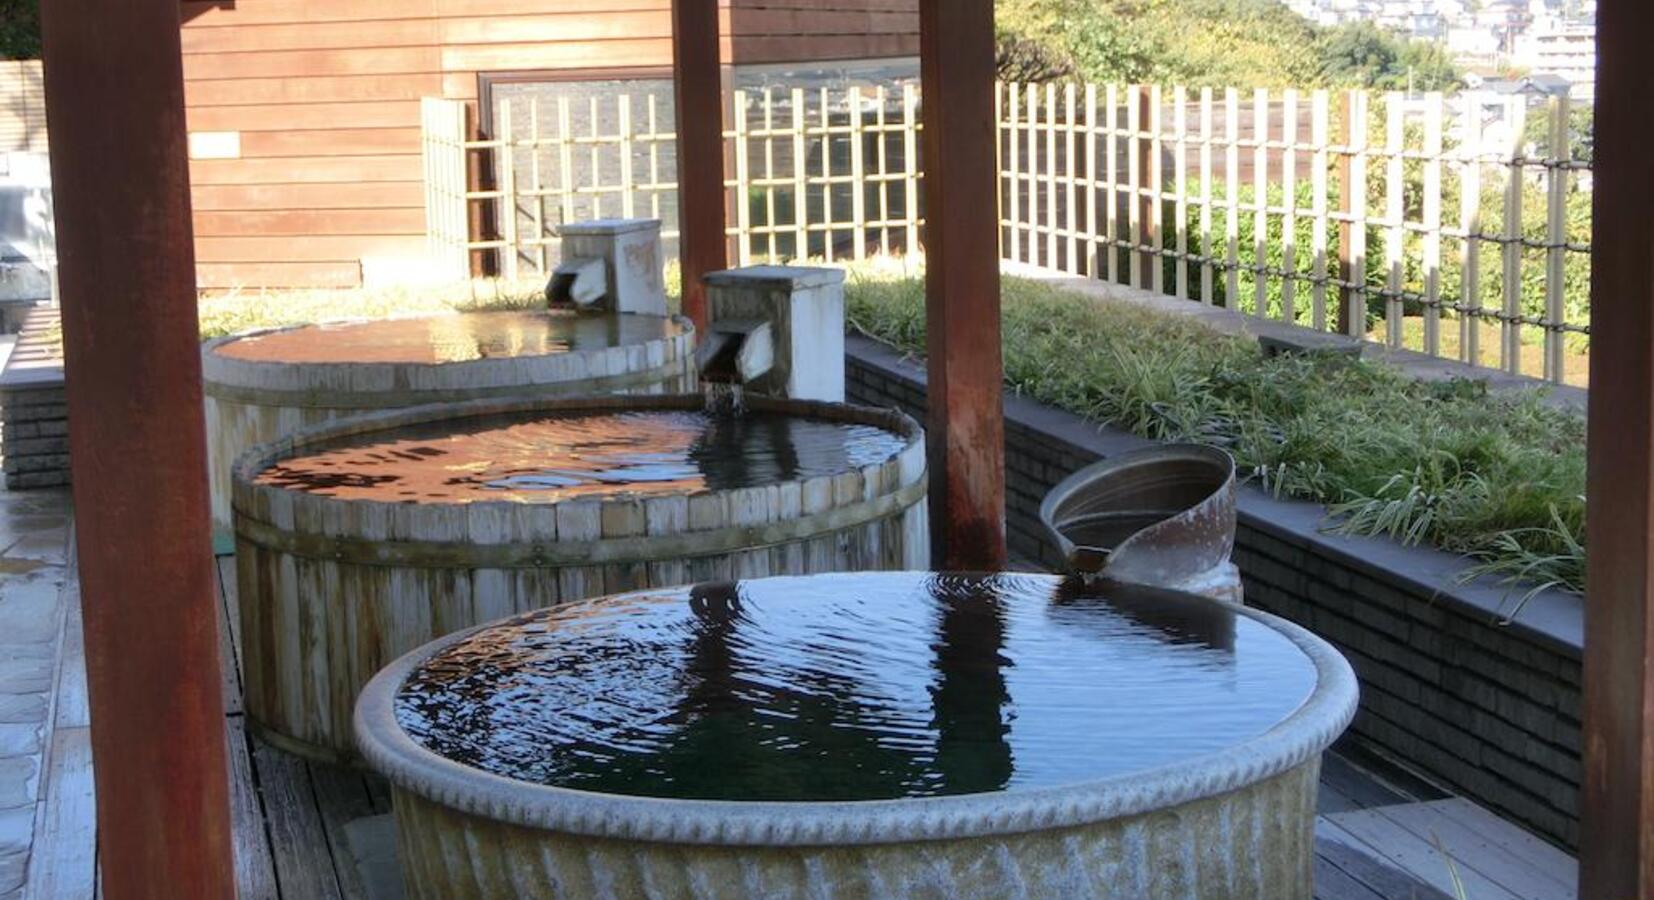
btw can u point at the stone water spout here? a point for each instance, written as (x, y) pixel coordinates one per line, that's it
(1162, 517)
(612, 265)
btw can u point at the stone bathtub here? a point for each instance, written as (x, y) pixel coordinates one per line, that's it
(360, 540)
(266, 384)
(863, 735)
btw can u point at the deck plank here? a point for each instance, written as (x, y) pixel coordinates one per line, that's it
(228, 651)
(255, 873)
(64, 863)
(1333, 883)
(1513, 838)
(1337, 849)
(304, 865)
(1374, 833)
(342, 797)
(380, 790)
(72, 709)
(1478, 848)
(1362, 788)
(232, 608)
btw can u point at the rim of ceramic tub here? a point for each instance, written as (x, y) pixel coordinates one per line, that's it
(410, 766)
(244, 380)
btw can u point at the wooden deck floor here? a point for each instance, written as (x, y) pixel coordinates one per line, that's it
(306, 831)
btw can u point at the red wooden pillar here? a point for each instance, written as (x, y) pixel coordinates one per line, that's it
(120, 173)
(1617, 802)
(967, 429)
(698, 80)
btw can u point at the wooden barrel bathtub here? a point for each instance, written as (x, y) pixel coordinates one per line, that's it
(360, 540)
(264, 384)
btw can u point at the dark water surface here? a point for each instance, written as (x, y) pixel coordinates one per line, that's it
(543, 457)
(855, 687)
(461, 337)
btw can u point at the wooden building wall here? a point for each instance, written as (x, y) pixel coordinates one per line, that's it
(304, 114)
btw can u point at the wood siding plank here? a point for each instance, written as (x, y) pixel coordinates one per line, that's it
(225, 276)
(397, 221)
(382, 195)
(329, 89)
(306, 170)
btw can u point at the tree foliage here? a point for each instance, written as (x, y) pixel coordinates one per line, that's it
(1221, 43)
(19, 29)
(1363, 54)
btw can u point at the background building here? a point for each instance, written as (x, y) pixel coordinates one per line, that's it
(304, 115)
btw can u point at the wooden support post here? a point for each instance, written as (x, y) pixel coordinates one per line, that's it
(698, 80)
(1617, 796)
(967, 428)
(115, 107)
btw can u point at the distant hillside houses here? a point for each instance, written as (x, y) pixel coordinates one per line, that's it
(1547, 39)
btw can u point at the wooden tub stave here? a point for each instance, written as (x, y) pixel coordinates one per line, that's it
(333, 590)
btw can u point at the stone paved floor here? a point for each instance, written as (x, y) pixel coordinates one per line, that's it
(34, 535)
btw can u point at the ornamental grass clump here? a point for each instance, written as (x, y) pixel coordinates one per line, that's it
(1497, 476)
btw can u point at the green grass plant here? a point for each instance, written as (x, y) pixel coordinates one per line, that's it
(1497, 476)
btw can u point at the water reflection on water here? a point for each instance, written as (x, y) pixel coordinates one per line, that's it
(855, 687)
(461, 337)
(547, 458)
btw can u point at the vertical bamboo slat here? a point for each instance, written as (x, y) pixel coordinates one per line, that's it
(1433, 127)
(1134, 180)
(1014, 141)
(772, 251)
(801, 195)
(1470, 222)
(910, 156)
(1394, 214)
(654, 158)
(826, 175)
(1355, 192)
(508, 188)
(1289, 206)
(743, 178)
(1510, 351)
(565, 158)
(881, 157)
(1070, 209)
(1207, 251)
(1260, 201)
(538, 200)
(910, 167)
(1556, 236)
(628, 196)
(1156, 194)
(1052, 213)
(1091, 268)
(1112, 196)
(858, 177)
(1180, 174)
(1319, 135)
(1231, 169)
(1031, 95)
